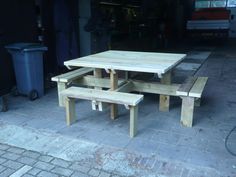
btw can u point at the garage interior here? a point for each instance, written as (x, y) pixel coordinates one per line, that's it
(162, 147)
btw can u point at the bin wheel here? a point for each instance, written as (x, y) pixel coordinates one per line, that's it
(15, 92)
(33, 95)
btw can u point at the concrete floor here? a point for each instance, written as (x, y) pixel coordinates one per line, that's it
(160, 135)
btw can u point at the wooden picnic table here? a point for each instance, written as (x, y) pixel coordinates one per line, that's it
(148, 62)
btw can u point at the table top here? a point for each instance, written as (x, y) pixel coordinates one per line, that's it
(149, 62)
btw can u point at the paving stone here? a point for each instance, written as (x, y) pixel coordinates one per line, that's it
(150, 163)
(79, 168)
(6, 172)
(27, 175)
(61, 163)
(31, 154)
(11, 156)
(62, 171)
(2, 168)
(2, 160)
(46, 174)
(185, 172)
(27, 160)
(34, 171)
(4, 147)
(94, 172)
(2, 152)
(79, 174)
(104, 174)
(44, 166)
(16, 150)
(13, 165)
(45, 158)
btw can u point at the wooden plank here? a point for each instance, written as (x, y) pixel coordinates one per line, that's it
(156, 88)
(198, 87)
(60, 87)
(69, 76)
(97, 74)
(91, 81)
(114, 86)
(103, 96)
(164, 101)
(187, 111)
(130, 61)
(127, 87)
(70, 111)
(197, 102)
(133, 121)
(186, 86)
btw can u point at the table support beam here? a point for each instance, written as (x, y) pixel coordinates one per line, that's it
(164, 102)
(114, 86)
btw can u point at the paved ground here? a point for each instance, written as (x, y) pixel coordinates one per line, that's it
(16, 162)
(162, 147)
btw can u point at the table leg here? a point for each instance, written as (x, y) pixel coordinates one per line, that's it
(165, 99)
(97, 74)
(114, 85)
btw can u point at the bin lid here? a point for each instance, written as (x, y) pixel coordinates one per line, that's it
(25, 47)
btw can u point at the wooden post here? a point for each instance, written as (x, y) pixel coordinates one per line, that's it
(127, 75)
(164, 102)
(97, 74)
(133, 121)
(60, 87)
(197, 102)
(70, 111)
(114, 85)
(187, 111)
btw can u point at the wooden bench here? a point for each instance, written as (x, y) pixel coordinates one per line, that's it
(64, 80)
(129, 100)
(190, 92)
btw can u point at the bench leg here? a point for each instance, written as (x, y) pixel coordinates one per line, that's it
(197, 102)
(60, 87)
(164, 102)
(70, 111)
(133, 121)
(114, 85)
(187, 111)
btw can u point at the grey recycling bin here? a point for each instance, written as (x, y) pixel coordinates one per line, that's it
(28, 66)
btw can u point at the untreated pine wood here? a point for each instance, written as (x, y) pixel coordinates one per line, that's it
(60, 87)
(149, 62)
(198, 87)
(133, 120)
(187, 111)
(103, 96)
(97, 74)
(64, 80)
(155, 88)
(70, 111)
(114, 86)
(186, 86)
(165, 99)
(91, 81)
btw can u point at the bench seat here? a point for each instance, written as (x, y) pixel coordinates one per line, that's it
(65, 79)
(131, 101)
(190, 92)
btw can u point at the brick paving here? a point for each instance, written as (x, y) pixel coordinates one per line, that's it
(17, 162)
